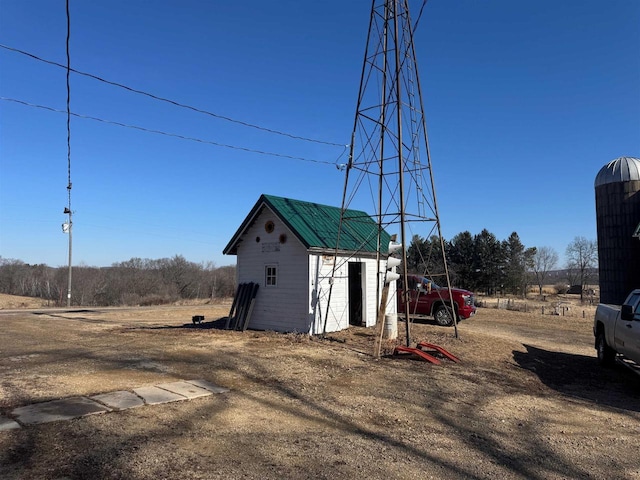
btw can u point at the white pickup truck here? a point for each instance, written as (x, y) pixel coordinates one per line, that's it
(617, 330)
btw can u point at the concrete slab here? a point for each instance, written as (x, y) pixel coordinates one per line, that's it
(8, 424)
(185, 389)
(64, 409)
(156, 396)
(208, 386)
(120, 400)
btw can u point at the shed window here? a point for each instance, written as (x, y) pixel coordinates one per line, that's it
(271, 275)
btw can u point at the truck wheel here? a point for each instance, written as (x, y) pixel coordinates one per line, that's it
(606, 354)
(443, 316)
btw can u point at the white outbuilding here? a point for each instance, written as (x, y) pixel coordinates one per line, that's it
(288, 248)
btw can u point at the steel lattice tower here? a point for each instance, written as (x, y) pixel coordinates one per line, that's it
(389, 165)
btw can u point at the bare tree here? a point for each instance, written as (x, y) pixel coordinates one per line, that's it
(11, 273)
(544, 260)
(182, 274)
(134, 282)
(225, 281)
(582, 256)
(217, 282)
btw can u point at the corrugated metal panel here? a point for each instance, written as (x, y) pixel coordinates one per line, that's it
(617, 214)
(621, 169)
(317, 225)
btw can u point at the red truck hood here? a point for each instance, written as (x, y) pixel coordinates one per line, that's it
(454, 291)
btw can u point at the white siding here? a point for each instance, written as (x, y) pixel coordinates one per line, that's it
(298, 303)
(282, 307)
(337, 316)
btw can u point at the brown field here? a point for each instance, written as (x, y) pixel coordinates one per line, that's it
(528, 400)
(15, 301)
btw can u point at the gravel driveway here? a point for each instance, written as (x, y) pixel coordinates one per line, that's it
(527, 401)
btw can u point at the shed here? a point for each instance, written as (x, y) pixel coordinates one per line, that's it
(288, 247)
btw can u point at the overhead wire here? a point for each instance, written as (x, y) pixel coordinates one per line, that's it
(68, 78)
(174, 135)
(415, 25)
(172, 102)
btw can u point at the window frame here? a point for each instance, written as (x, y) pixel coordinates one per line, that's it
(271, 275)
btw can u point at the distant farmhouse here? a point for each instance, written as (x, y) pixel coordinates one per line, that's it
(288, 248)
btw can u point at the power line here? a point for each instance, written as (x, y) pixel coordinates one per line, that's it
(172, 102)
(68, 71)
(415, 25)
(175, 135)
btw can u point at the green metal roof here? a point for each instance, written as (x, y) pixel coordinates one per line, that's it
(316, 226)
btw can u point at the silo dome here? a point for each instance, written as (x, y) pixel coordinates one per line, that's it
(621, 169)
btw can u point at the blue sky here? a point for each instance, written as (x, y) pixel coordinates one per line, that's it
(525, 101)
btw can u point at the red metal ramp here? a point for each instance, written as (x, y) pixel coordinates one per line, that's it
(415, 351)
(426, 351)
(437, 348)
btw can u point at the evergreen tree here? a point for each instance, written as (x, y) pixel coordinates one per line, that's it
(424, 257)
(415, 254)
(489, 262)
(518, 262)
(460, 254)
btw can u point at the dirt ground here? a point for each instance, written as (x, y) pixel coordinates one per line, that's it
(528, 400)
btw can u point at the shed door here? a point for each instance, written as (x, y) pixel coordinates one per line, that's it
(355, 293)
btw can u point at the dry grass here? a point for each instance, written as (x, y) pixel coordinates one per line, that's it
(551, 304)
(527, 402)
(15, 301)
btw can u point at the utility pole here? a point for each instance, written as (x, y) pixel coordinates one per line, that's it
(67, 210)
(389, 158)
(68, 228)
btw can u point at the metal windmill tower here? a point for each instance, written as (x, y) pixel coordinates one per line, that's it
(389, 164)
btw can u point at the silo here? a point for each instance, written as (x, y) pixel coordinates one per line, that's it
(617, 188)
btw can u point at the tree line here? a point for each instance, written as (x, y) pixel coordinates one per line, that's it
(134, 282)
(480, 263)
(483, 263)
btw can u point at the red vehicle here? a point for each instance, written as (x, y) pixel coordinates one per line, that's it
(427, 298)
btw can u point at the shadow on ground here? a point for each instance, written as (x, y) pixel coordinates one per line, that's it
(70, 315)
(218, 324)
(581, 376)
